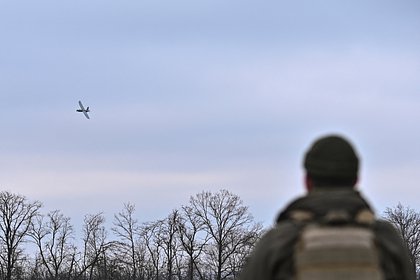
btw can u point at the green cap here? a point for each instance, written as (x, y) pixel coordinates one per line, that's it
(332, 156)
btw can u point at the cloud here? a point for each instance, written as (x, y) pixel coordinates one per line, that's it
(190, 95)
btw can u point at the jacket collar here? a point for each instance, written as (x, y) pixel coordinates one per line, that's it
(321, 200)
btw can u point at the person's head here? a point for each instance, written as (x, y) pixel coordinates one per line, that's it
(331, 161)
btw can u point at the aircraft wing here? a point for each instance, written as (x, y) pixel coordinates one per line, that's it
(81, 106)
(86, 114)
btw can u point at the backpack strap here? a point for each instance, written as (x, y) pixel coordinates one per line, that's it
(301, 216)
(364, 217)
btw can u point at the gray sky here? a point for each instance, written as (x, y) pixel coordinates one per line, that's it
(189, 96)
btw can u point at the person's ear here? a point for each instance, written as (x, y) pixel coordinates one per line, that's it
(355, 182)
(309, 183)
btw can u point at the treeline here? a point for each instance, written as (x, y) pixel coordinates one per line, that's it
(209, 238)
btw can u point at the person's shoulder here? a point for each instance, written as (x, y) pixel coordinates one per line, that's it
(283, 218)
(275, 246)
(273, 250)
(281, 232)
(390, 239)
(385, 228)
(277, 240)
(394, 250)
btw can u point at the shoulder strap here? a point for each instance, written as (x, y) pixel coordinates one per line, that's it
(364, 217)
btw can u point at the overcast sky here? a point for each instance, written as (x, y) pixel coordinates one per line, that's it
(193, 95)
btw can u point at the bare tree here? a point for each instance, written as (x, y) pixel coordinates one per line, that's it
(16, 216)
(53, 239)
(167, 237)
(126, 228)
(94, 244)
(152, 242)
(193, 240)
(228, 223)
(407, 221)
(249, 237)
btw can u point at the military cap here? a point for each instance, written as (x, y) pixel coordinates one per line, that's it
(332, 156)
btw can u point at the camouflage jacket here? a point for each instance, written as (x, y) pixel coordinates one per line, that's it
(272, 256)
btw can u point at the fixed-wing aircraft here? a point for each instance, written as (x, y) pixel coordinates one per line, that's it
(83, 110)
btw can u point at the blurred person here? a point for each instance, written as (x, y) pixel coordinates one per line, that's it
(331, 232)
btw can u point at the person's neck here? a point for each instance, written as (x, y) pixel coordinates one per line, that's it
(329, 188)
